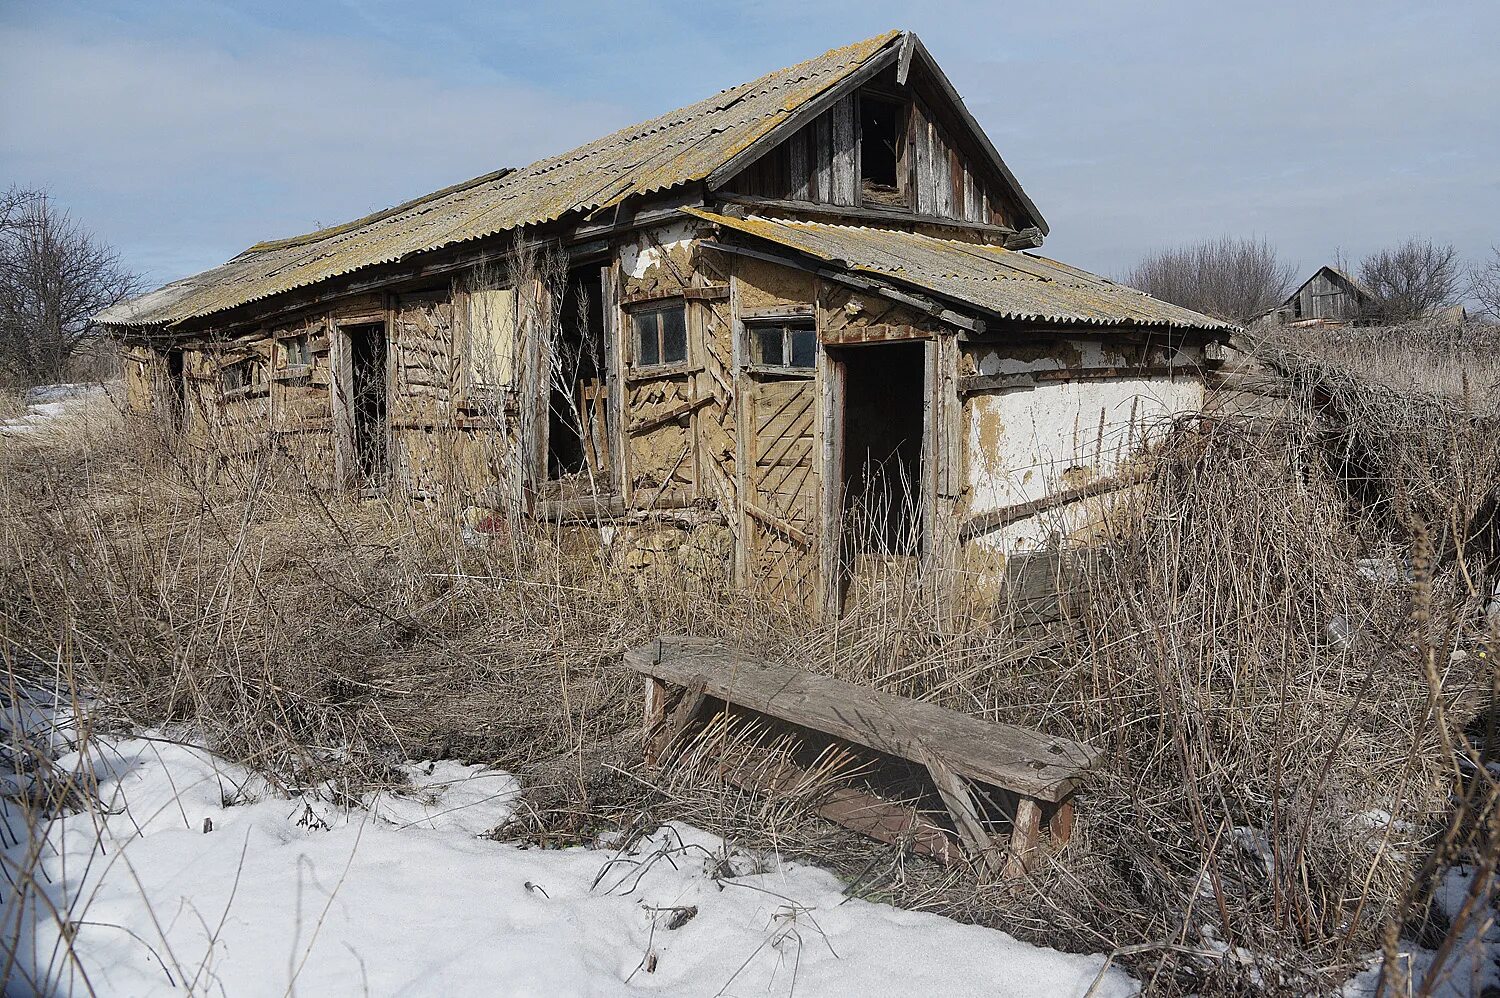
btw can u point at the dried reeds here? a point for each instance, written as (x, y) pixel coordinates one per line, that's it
(1290, 676)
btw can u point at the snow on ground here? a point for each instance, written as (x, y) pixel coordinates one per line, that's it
(49, 406)
(201, 881)
(1468, 900)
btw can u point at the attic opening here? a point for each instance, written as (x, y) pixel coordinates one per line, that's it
(882, 428)
(577, 424)
(882, 122)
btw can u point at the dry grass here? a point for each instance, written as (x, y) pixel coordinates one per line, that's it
(1279, 647)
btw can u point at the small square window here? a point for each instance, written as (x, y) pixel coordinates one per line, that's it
(647, 342)
(673, 336)
(242, 374)
(660, 336)
(295, 352)
(786, 345)
(804, 348)
(767, 342)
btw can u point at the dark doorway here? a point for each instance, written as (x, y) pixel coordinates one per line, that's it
(882, 430)
(577, 439)
(369, 390)
(176, 391)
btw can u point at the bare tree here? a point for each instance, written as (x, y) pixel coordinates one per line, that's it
(54, 277)
(1412, 280)
(1233, 279)
(1484, 284)
(12, 202)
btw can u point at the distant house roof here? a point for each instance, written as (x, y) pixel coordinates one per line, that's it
(1004, 283)
(687, 145)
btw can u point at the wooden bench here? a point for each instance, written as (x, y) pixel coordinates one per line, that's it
(963, 755)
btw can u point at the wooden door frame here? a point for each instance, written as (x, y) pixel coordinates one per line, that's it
(833, 378)
(341, 388)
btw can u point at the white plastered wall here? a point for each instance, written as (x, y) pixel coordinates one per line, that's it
(1024, 443)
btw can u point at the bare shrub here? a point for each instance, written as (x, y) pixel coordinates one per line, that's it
(1232, 279)
(1484, 284)
(1413, 280)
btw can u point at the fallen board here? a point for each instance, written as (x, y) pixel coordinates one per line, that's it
(1019, 759)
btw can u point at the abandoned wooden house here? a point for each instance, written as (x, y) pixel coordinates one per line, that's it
(777, 334)
(1328, 297)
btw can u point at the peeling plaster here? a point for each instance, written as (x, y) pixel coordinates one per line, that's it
(638, 256)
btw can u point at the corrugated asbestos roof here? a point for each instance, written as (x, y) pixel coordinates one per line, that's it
(683, 146)
(1005, 283)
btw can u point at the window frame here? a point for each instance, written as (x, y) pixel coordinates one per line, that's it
(658, 306)
(753, 326)
(485, 377)
(252, 367)
(285, 365)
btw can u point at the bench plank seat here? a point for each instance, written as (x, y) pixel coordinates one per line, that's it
(1019, 759)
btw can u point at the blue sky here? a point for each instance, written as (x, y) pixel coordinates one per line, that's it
(183, 132)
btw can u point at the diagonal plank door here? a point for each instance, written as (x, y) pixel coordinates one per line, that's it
(782, 489)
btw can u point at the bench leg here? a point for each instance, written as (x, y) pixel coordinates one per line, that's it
(661, 731)
(684, 714)
(960, 803)
(1023, 837)
(656, 716)
(1061, 824)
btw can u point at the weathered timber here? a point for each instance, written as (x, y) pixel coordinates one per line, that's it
(971, 383)
(994, 519)
(670, 416)
(960, 803)
(1025, 829)
(916, 301)
(1015, 758)
(779, 525)
(732, 203)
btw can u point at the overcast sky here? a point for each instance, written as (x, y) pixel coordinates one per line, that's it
(183, 132)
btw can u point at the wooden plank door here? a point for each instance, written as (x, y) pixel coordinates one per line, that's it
(782, 499)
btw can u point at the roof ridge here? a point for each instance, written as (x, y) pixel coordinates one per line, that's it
(683, 145)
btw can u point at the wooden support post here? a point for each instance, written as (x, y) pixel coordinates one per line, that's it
(960, 803)
(661, 731)
(656, 716)
(1024, 836)
(686, 711)
(1060, 827)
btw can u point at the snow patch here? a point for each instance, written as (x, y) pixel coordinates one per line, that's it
(201, 879)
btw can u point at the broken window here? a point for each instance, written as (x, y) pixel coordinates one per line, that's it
(492, 337)
(295, 352)
(785, 345)
(241, 375)
(881, 122)
(660, 335)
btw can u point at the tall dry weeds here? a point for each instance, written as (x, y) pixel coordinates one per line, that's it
(1291, 687)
